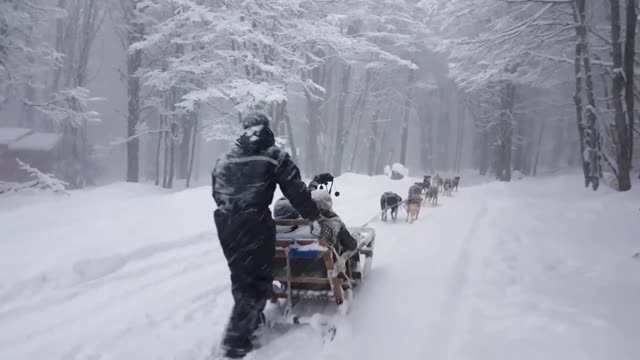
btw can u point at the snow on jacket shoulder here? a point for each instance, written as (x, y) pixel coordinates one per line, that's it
(245, 178)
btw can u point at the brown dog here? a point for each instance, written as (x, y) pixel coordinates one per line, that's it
(413, 209)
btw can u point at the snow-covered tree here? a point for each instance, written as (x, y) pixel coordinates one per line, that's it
(41, 181)
(24, 52)
(69, 113)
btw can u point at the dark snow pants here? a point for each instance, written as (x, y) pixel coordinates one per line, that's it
(248, 242)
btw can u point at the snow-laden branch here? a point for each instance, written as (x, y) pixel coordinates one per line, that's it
(69, 106)
(41, 181)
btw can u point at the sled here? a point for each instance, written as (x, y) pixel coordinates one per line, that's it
(307, 267)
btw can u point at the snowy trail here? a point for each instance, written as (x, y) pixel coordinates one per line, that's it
(496, 271)
(163, 292)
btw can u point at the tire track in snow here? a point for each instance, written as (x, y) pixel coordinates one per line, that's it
(412, 276)
(446, 332)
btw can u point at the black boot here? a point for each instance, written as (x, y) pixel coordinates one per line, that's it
(234, 353)
(260, 327)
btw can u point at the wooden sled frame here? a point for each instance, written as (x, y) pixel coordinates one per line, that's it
(328, 281)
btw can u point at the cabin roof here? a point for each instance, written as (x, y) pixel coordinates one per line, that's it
(36, 142)
(11, 134)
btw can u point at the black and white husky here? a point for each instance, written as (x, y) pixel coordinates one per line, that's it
(390, 201)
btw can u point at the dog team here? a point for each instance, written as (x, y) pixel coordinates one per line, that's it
(429, 187)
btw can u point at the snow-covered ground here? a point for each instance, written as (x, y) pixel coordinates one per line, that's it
(534, 269)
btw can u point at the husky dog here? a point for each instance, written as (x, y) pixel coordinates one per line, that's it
(432, 195)
(415, 190)
(426, 182)
(456, 182)
(438, 181)
(390, 200)
(413, 209)
(414, 202)
(448, 186)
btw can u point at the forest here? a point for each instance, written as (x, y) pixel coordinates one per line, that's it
(153, 91)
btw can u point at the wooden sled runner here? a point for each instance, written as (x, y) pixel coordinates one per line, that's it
(307, 267)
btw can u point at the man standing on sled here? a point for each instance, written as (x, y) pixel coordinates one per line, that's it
(243, 183)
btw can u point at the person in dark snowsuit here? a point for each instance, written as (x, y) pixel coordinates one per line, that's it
(243, 183)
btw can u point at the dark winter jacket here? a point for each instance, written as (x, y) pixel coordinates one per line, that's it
(246, 177)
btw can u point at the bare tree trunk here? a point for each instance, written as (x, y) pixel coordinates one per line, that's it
(404, 141)
(292, 143)
(165, 159)
(629, 59)
(459, 140)
(192, 155)
(274, 110)
(360, 106)
(172, 156)
(504, 130)
(184, 146)
(60, 46)
(538, 148)
(592, 134)
(425, 142)
(443, 131)
(28, 112)
(135, 33)
(356, 148)
(161, 135)
(518, 147)
(314, 118)
(341, 138)
(385, 148)
(484, 162)
(168, 139)
(373, 145)
(28, 117)
(174, 131)
(623, 156)
(578, 96)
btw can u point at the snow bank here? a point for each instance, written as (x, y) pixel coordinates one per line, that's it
(92, 223)
(396, 170)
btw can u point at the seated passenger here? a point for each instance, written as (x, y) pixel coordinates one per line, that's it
(284, 210)
(340, 238)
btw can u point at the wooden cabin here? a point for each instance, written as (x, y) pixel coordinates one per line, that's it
(39, 150)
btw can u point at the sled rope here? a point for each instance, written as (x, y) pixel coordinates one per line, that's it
(341, 263)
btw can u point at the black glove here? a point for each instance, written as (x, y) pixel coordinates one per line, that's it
(323, 178)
